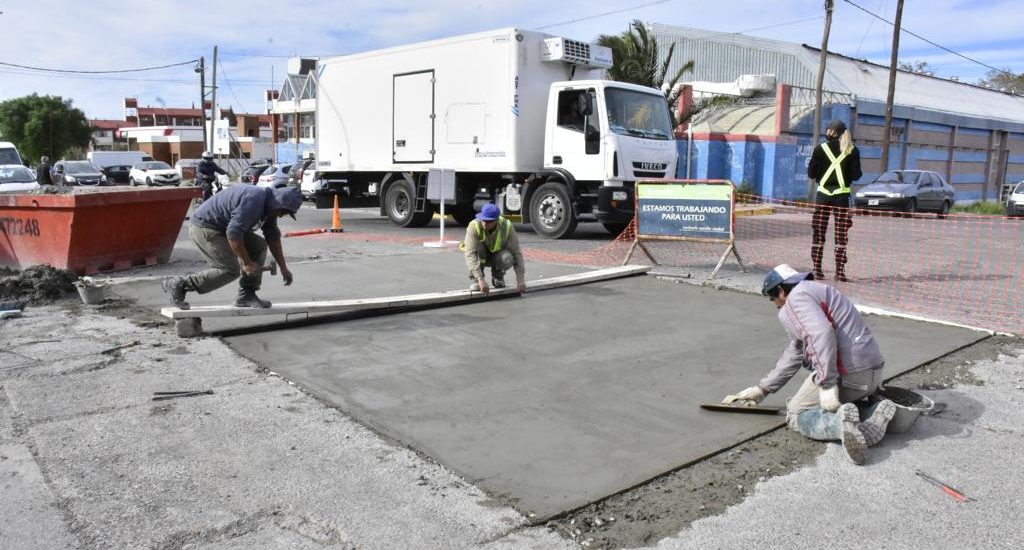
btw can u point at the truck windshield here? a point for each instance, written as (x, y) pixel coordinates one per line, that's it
(638, 114)
(9, 156)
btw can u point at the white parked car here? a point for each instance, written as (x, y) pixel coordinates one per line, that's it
(310, 183)
(275, 176)
(153, 172)
(1015, 201)
(15, 178)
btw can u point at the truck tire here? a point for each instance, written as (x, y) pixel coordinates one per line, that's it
(615, 228)
(399, 205)
(464, 214)
(551, 212)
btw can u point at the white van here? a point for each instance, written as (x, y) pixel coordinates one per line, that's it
(9, 153)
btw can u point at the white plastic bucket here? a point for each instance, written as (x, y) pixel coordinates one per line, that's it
(909, 405)
(91, 293)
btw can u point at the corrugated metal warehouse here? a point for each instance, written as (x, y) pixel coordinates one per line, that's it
(972, 135)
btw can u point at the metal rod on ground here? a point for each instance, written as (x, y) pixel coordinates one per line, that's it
(893, 60)
(817, 88)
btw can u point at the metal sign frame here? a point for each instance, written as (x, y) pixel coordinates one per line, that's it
(730, 241)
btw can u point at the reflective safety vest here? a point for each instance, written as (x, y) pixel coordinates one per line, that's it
(504, 226)
(835, 167)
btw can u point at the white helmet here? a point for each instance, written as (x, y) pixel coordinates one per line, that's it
(207, 155)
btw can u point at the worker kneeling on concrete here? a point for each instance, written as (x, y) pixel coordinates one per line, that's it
(491, 241)
(828, 337)
(224, 230)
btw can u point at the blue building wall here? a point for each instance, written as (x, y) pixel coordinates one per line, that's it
(285, 151)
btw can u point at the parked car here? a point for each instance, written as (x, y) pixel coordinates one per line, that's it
(155, 172)
(907, 191)
(9, 154)
(1015, 201)
(15, 178)
(252, 173)
(275, 176)
(310, 182)
(117, 174)
(295, 172)
(77, 172)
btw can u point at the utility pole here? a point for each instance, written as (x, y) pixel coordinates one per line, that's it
(213, 103)
(829, 4)
(887, 130)
(202, 94)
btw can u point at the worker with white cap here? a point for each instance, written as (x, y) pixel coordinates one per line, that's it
(828, 336)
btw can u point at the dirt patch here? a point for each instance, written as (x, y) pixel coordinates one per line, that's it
(670, 503)
(37, 284)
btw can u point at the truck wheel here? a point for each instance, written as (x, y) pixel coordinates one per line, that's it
(551, 211)
(615, 228)
(400, 203)
(464, 214)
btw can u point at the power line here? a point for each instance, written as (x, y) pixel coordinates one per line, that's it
(587, 18)
(919, 37)
(189, 62)
(220, 68)
(109, 78)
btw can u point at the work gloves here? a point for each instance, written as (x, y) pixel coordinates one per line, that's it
(753, 394)
(829, 398)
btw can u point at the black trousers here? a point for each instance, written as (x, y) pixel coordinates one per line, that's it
(826, 206)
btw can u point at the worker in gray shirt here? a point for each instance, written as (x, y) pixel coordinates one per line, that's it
(224, 229)
(828, 337)
(491, 241)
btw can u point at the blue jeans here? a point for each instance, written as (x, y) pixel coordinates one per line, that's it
(806, 416)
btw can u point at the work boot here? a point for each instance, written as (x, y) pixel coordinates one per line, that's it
(817, 251)
(176, 287)
(498, 281)
(853, 439)
(874, 427)
(841, 264)
(474, 287)
(247, 298)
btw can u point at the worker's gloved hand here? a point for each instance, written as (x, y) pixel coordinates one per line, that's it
(286, 275)
(829, 398)
(483, 285)
(521, 287)
(753, 394)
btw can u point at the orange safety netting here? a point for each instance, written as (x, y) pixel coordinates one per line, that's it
(962, 268)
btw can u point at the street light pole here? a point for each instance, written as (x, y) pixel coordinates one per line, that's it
(202, 95)
(829, 4)
(893, 61)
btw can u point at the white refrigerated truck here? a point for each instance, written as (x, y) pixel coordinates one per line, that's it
(523, 118)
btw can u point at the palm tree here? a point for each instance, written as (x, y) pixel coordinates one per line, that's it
(635, 60)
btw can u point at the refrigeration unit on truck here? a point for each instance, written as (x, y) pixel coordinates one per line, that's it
(523, 118)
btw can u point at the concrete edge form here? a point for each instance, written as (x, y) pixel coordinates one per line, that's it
(400, 302)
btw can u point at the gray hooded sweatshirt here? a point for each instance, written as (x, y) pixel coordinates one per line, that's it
(243, 208)
(827, 336)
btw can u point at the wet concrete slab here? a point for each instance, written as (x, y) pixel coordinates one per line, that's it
(564, 397)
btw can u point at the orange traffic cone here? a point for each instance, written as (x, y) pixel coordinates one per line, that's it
(336, 223)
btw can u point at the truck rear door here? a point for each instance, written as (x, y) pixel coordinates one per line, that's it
(413, 118)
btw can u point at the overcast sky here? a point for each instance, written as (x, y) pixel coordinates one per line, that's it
(255, 36)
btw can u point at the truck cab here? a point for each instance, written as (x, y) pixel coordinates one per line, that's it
(600, 138)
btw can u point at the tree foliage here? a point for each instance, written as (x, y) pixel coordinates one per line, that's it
(43, 125)
(1004, 80)
(635, 60)
(914, 66)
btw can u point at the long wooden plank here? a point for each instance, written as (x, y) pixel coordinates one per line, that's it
(395, 302)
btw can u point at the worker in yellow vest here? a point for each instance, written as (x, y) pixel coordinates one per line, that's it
(835, 165)
(491, 241)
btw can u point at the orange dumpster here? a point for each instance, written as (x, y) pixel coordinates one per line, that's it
(92, 229)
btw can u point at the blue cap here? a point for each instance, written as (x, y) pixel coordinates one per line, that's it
(488, 213)
(783, 273)
(289, 199)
